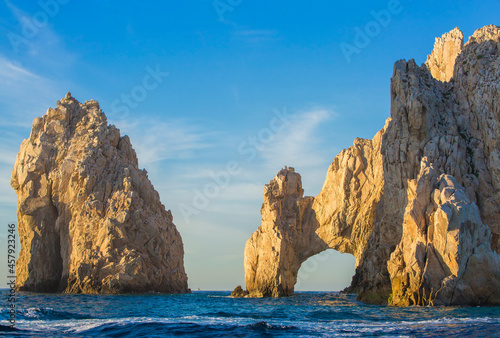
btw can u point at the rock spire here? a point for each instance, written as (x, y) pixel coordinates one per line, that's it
(90, 221)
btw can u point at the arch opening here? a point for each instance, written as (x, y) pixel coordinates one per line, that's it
(328, 270)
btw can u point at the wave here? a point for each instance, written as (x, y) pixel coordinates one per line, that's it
(244, 327)
(331, 315)
(8, 328)
(160, 329)
(202, 315)
(156, 327)
(459, 327)
(251, 315)
(48, 314)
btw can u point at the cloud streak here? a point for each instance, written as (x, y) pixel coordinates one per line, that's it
(23, 94)
(299, 143)
(156, 140)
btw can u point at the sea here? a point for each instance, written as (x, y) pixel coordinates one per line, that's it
(215, 314)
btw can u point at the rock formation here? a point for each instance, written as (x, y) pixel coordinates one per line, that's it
(89, 220)
(445, 254)
(238, 292)
(418, 206)
(441, 62)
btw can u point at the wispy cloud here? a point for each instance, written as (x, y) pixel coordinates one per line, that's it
(33, 74)
(7, 155)
(23, 94)
(299, 143)
(11, 73)
(8, 197)
(156, 140)
(39, 39)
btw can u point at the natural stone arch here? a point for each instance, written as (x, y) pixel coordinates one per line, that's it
(328, 270)
(295, 228)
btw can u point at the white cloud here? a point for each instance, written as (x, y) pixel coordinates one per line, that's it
(155, 140)
(299, 143)
(11, 72)
(8, 196)
(38, 39)
(7, 155)
(38, 76)
(23, 94)
(301, 146)
(14, 77)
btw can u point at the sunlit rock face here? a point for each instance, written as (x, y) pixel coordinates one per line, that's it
(418, 206)
(441, 62)
(90, 221)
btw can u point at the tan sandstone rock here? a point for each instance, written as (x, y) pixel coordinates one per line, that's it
(90, 221)
(445, 254)
(443, 135)
(441, 61)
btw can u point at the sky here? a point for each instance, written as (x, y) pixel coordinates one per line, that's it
(217, 97)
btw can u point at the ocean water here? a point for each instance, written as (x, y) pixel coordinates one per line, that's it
(214, 314)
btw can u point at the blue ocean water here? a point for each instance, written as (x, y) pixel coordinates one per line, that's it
(214, 314)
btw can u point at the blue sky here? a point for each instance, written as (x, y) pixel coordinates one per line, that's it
(217, 97)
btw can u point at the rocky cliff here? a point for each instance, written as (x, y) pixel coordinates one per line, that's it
(89, 220)
(418, 206)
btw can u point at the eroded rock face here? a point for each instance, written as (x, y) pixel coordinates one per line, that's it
(89, 220)
(445, 254)
(441, 61)
(387, 201)
(271, 259)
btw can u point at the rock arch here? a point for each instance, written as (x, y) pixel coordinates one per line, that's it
(329, 271)
(417, 206)
(295, 228)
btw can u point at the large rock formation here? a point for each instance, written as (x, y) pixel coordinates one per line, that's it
(445, 254)
(418, 206)
(89, 220)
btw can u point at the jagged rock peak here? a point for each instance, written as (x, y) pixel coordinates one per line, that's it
(90, 221)
(441, 61)
(486, 33)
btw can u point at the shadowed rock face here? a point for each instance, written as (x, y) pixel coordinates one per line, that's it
(418, 206)
(89, 220)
